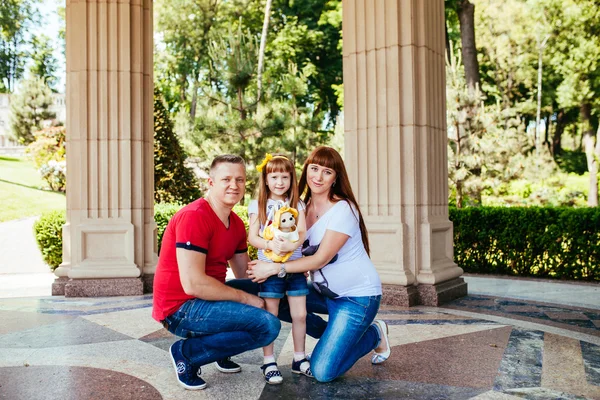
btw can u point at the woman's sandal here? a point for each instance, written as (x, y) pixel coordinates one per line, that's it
(273, 376)
(378, 358)
(297, 368)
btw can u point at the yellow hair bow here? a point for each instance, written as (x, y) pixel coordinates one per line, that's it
(264, 162)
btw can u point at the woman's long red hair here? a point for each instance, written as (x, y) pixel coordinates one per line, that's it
(329, 158)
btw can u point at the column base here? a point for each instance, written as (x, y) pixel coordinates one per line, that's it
(398, 295)
(148, 281)
(58, 286)
(104, 287)
(438, 294)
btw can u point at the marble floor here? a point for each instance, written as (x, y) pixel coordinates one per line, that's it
(477, 347)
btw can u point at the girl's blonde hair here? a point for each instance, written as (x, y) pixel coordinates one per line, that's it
(277, 163)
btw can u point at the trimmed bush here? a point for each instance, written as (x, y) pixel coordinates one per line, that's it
(162, 215)
(542, 242)
(173, 181)
(48, 234)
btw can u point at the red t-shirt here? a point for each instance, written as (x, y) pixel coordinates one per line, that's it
(195, 227)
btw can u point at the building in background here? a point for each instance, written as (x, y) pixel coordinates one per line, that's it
(8, 146)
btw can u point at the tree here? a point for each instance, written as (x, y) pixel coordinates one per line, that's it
(29, 108)
(575, 58)
(173, 181)
(44, 64)
(485, 149)
(14, 18)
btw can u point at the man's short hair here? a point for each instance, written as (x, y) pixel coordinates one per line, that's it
(227, 158)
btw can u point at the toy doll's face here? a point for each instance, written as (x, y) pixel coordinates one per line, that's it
(279, 184)
(287, 220)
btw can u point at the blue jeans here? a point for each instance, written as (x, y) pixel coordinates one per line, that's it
(348, 335)
(214, 330)
(315, 303)
(276, 287)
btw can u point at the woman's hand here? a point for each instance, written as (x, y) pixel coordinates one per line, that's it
(259, 271)
(282, 246)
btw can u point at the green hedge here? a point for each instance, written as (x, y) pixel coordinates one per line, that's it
(48, 230)
(543, 242)
(48, 235)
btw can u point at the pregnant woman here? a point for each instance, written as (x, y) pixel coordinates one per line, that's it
(344, 279)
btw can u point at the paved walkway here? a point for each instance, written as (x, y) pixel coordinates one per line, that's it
(22, 270)
(509, 339)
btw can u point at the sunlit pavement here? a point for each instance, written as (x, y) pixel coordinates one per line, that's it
(483, 346)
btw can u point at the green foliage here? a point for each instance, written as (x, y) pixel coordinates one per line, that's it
(48, 153)
(242, 212)
(562, 243)
(486, 143)
(231, 120)
(49, 144)
(29, 108)
(173, 181)
(15, 16)
(572, 161)
(162, 215)
(48, 235)
(44, 63)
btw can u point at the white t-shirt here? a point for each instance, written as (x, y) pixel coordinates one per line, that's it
(352, 274)
(273, 206)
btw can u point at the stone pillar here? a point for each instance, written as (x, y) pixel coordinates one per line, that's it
(395, 144)
(109, 236)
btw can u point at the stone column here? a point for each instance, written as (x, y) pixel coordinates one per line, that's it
(109, 236)
(395, 144)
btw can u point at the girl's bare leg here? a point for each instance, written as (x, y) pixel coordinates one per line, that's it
(298, 312)
(272, 306)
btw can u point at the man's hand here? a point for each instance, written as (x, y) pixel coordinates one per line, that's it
(253, 300)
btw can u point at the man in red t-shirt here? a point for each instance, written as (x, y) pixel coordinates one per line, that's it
(190, 296)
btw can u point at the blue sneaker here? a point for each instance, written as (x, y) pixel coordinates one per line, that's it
(187, 375)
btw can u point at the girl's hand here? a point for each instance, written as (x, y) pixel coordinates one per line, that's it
(259, 271)
(282, 246)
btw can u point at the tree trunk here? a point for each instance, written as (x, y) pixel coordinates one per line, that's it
(448, 52)
(589, 141)
(261, 51)
(194, 101)
(466, 17)
(558, 131)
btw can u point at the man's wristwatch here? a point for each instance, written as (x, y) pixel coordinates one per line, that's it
(282, 271)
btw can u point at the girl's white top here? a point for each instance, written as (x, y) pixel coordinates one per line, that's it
(272, 207)
(352, 274)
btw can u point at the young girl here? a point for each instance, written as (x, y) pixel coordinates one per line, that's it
(277, 188)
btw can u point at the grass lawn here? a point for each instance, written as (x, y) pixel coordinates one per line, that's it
(21, 190)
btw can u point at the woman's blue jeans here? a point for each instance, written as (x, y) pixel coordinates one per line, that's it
(350, 334)
(214, 330)
(347, 336)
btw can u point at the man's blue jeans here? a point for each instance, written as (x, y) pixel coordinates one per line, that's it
(218, 329)
(348, 336)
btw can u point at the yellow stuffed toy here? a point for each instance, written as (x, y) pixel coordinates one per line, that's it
(283, 226)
